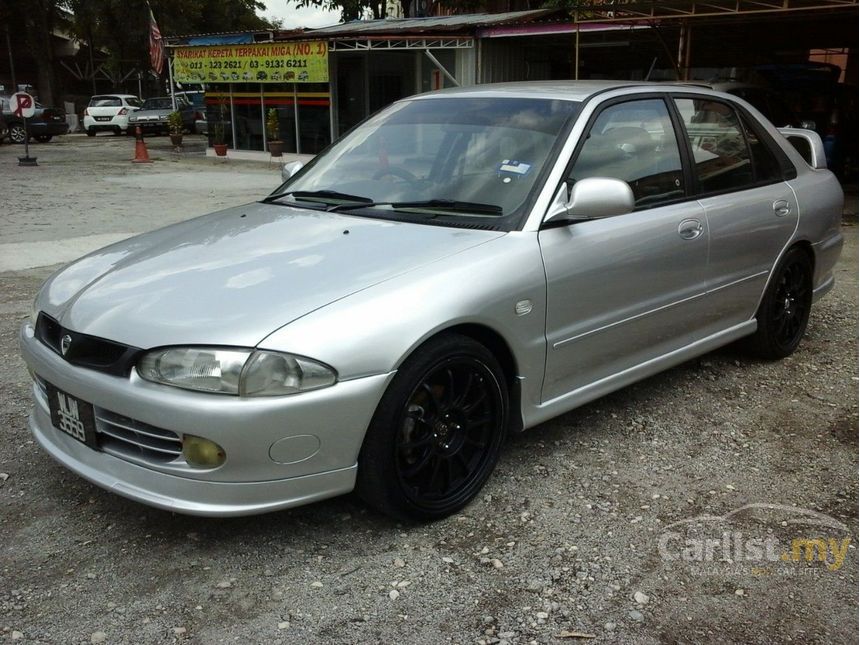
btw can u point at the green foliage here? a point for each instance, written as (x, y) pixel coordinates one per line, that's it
(120, 28)
(217, 126)
(273, 124)
(349, 9)
(174, 122)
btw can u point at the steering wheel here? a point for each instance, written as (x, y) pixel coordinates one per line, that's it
(396, 171)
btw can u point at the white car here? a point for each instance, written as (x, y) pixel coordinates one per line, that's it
(110, 112)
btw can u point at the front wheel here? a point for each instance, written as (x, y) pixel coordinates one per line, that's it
(437, 433)
(784, 310)
(43, 138)
(91, 132)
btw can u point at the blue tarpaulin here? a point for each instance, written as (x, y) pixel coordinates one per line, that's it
(232, 39)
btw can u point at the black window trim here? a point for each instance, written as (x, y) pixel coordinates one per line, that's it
(683, 150)
(743, 117)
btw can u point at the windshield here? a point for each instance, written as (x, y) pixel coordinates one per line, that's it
(446, 157)
(157, 104)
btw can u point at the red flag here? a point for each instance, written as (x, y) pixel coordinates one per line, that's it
(156, 44)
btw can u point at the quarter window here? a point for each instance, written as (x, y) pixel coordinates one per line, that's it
(721, 156)
(635, 142)
(765, 163)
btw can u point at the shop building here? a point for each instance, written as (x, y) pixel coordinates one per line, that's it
(322, 82)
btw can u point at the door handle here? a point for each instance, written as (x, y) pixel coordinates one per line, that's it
(690, 229)
(781, 208)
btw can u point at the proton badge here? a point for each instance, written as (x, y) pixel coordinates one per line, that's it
(65, 343)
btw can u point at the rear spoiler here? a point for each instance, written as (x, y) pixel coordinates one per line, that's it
(808, 143)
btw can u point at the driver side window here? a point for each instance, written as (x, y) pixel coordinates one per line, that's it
(635, 142)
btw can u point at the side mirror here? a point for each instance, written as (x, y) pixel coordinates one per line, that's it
(808, 143)
(290, 169)
(807, 125)
(592, 198)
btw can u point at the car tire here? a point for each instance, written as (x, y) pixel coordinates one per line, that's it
(43, 138)
(437, 432)
(784, 311)
(118, 131)
(91, 132)
(17, 133)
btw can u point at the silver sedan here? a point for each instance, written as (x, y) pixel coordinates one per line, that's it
(465, 264)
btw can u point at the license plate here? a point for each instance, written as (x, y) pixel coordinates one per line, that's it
(103, 118)
(71, 415)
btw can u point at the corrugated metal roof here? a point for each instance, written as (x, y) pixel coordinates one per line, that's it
(436, 24)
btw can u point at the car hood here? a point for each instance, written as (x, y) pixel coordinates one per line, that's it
(160, 113)
(233, 277)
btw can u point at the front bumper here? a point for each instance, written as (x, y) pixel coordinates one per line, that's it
(149, 126)
(253, 432)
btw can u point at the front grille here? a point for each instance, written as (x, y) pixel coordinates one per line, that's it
(87, 351)
(125, 437)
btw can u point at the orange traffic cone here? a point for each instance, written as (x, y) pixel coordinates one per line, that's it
(141, 155)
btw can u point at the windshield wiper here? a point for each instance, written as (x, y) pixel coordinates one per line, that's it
(440, 204)
(322, 196)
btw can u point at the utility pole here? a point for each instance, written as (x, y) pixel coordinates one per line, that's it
(11, 61)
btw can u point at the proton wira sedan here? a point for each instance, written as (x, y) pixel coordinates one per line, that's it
(463, 265)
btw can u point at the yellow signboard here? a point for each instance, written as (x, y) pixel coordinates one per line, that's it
(289, 62)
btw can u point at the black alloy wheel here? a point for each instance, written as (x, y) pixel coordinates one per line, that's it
(784, 311)
(437, 433)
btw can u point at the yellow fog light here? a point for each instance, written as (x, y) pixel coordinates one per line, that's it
(202, 453)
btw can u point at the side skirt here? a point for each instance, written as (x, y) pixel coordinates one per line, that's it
(587, 393)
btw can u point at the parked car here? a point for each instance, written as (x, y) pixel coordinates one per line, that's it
(43, 126)
(197, 98)
(153, 113)
(464, 264)
(3, 129)
(110, 112)
(767, 101)
(816, 93)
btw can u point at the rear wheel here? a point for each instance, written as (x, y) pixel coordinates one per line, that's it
(437, 433)
(17, 133)
(784, 310)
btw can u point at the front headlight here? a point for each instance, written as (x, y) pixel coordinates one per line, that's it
(243, 372)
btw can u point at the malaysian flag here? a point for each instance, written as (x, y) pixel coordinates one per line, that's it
(156, 44)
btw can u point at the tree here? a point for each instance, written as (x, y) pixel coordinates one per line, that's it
(121, 27)
(36, 20)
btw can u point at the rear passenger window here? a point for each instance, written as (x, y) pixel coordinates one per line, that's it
(721, 156)
(634, 142)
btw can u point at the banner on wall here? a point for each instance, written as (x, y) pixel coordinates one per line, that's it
(303, 62)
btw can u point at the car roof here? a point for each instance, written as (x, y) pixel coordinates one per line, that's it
(118, 96)
(564, 90)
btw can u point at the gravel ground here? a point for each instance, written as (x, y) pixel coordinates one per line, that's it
(563, 544)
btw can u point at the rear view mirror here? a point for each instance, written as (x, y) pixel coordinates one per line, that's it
(592, 198)
(808, 143)
(290, 169)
